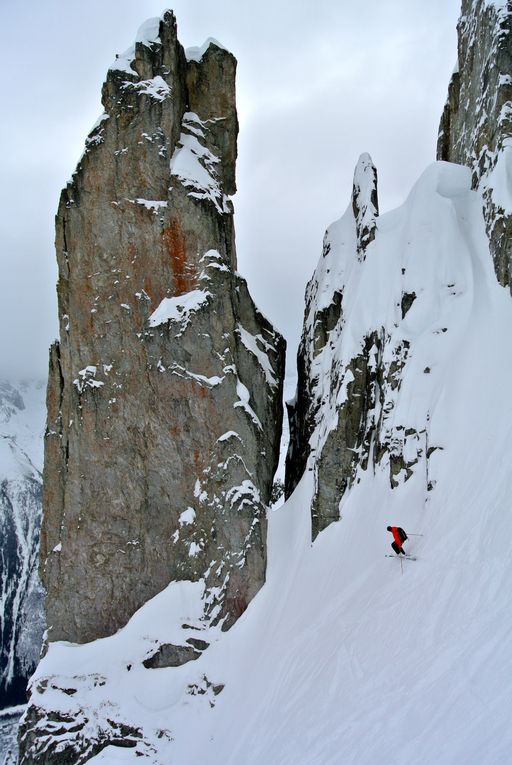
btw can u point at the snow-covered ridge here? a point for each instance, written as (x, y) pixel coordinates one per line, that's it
(401, 262)
(379, 334)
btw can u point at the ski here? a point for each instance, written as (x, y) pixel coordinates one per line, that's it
(403, 557)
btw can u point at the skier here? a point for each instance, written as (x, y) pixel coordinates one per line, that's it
(399, 537)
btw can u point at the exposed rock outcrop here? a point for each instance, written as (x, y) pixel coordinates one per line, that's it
(164, 396)
(21, 594)
(365, 202)
(323, 316)
(476, 125)
(372, 308)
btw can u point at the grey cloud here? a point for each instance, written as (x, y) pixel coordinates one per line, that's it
(317, 85)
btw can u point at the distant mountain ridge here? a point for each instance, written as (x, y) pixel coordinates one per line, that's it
(22, 416)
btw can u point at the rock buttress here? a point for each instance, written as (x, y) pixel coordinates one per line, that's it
(476, 124)
(164, 410)
(356, 346)
(322, 317)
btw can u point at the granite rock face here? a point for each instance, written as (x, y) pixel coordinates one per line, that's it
(476, 125)
(165, 390)
(164, 397)
(21, 594)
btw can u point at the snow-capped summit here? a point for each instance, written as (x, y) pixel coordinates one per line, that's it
(365, 202)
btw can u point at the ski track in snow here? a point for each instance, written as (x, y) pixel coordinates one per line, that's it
(342, 658)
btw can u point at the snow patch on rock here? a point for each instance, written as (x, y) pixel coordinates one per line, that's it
(156, 87)
(179, 309)
(197, 53)
(194, 165)
(148, 34)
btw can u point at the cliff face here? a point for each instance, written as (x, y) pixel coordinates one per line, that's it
(21, 594)
(376, 314)
(164, 410)
(164, 395)
(333, 452)
(476, 125)
(323, 313)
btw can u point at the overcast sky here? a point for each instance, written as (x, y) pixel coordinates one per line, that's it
(318, 83)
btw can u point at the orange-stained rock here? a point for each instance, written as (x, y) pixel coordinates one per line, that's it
(137, 403)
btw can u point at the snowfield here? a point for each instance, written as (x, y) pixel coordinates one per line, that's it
(347, 657)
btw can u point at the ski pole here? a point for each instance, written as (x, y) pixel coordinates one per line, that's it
(415, 535)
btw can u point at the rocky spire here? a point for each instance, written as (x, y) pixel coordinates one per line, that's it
(164, 394)
(165, 390)
(357, 341)
(476, 125)
(365, 203)
(323, 318)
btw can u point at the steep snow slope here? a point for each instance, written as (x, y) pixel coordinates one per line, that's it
(22, 413)
(343, 657)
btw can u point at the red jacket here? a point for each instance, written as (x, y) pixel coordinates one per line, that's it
(399, 535)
